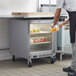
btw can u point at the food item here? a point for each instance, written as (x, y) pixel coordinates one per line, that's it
(43, 39)
(51, 29)
(36, 40)
(34, 30)
(31, 41)
(39, 39)
(38, 30)
(31, 30)
(56, 28)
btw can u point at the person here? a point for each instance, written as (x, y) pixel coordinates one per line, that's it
(70, 7)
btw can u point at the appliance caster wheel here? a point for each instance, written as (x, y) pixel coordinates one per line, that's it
(13, 58)
(52, 59)
(30, 63)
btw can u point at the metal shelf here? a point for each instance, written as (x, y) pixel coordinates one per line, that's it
(41, 32)
(41, 43)
(39, 51)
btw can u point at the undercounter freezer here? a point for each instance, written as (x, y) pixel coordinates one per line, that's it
(32, 39)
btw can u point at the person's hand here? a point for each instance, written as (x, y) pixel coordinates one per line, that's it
(60, 25)
(52, 25)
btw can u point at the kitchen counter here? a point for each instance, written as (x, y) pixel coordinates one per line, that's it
(31, 15)
(36, 14)
(28, 15)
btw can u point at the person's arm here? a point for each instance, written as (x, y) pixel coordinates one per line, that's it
(57, 15)
(64, 22)
(60, 5)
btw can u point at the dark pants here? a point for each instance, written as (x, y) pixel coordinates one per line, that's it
(72, 18)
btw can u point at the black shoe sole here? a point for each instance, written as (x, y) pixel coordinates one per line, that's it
(71, 74)
(68, 70)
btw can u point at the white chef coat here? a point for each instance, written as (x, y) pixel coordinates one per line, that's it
(69, 5)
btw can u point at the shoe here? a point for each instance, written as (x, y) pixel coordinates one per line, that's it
(71, 73)
(68, 70)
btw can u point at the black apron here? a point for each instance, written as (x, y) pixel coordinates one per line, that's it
(72, 19)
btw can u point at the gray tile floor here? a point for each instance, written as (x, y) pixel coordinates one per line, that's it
(40, 67)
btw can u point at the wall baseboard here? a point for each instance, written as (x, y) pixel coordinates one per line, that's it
(5, 55)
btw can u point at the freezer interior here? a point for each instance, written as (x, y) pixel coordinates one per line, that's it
(40, 37)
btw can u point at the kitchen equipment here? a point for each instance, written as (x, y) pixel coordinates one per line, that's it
(34, 45)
